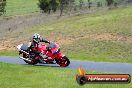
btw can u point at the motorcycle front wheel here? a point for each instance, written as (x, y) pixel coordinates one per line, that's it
(63, 62)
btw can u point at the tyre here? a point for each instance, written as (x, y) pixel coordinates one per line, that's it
(32, 62)
(63, 62)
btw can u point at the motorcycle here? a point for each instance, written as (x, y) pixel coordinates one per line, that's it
(51, 50)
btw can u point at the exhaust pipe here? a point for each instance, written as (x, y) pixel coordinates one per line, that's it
(25, 59)
(24, 52)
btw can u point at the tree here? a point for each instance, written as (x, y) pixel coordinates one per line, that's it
(81, 4)
(44, 5)
(129, 1)
(109, 2)
(62, 2)
(89, 4)
(54, 5)
(2, 7)
(99, 4)
(71, 4)
(65, 4)
(48, 5)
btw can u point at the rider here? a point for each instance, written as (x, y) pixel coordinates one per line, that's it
(36, 39)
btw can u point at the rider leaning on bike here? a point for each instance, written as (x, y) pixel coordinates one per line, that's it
(36, 39)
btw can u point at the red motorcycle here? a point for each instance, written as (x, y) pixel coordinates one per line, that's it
(52, 51)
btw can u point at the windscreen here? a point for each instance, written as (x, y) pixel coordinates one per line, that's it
(24, 47)
(52, 45)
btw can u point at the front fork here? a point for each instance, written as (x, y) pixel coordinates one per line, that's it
(59, 55)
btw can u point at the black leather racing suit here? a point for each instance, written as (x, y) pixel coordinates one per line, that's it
(35, 45)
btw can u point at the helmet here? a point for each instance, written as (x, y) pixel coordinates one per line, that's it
(36, 38)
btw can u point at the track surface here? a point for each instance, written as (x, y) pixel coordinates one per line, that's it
(87, 65)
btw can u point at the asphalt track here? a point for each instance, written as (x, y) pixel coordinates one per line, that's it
(87, 65)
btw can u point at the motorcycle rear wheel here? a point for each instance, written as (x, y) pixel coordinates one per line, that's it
(33, 61)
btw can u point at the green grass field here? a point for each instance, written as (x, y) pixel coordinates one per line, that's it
(24, 7)
(21, 7)
(27, 76)
(9, 53)
(101, 36)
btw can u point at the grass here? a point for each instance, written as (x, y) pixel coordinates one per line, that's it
(100, 51)
(21, 7)
(75, 32)
(117, 22)
(9, 53)
(14, 76)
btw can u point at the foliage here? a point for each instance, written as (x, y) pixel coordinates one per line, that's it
(109, 2)
(2, 6)
(48, 5)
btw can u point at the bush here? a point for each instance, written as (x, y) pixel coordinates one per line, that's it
(44, 5)
(109, 2)
(2, 7)
(48, 5)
